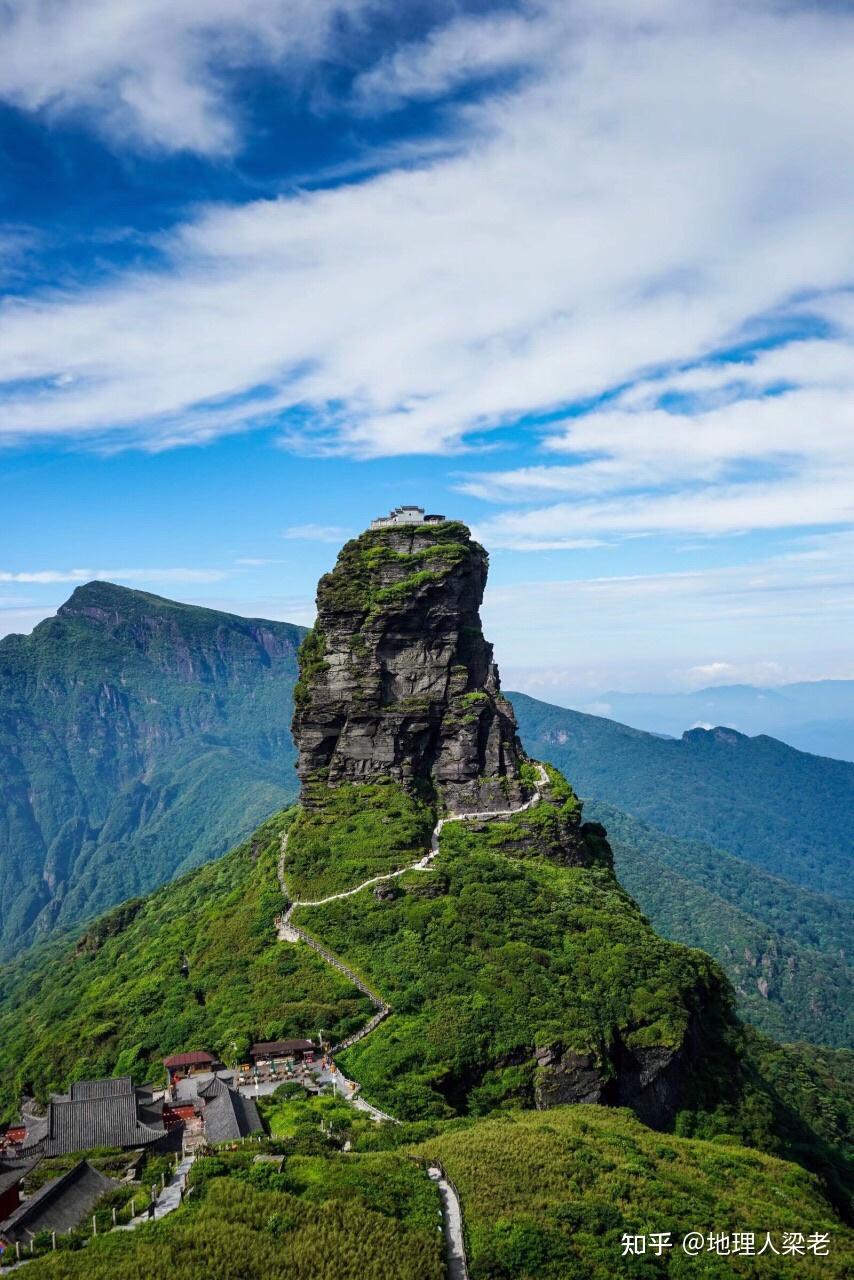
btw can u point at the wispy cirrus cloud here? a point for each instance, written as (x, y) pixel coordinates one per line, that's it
(173, 574)
(662, 179)
(760, 441)
(466, 49)
(155, 73)
(315, 533)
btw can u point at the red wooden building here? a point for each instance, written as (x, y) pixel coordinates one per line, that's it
(180, 1065)
(12, 1172)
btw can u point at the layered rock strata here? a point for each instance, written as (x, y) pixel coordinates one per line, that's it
(397, 680)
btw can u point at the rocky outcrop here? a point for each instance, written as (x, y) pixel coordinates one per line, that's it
(397, 680)
(650, 1080)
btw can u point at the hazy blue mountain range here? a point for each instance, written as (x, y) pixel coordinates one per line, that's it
(783, 810)
(815, 716)
(138, 738)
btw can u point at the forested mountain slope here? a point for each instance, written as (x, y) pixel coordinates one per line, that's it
(515, 973)
(784, 949)
(138, 737)
(782, 810)
(114, 999)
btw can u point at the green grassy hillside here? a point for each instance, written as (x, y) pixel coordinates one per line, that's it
(495, 953)
(138, 738)
(353, 832)
(545, 1196)
(486, 958)
(549, 1196)
(113, 999)
(791, 977)
(325, 1215)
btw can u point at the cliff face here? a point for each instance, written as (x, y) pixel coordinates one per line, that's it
(397, 680)
(138, 737)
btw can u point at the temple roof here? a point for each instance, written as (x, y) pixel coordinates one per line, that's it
(228, 1115)
(12, 1171)
(97, 1113)
(280, 1047)
(60, 1204)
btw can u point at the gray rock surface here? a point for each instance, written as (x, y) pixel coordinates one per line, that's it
(397, 679)
(649, 1080)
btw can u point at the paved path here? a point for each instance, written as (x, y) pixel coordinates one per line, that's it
(422, 864)
(452, 1222)
(168, 1200)
(287, 931)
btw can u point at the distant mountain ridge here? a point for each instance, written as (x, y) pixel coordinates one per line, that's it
(138, 737)
(783, 810)
(815, 716)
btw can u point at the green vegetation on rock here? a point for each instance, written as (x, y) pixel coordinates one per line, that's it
(507, 955)
(352, 832)
(357, 585)
(311, 662)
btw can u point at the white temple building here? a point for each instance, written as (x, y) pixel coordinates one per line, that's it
(405, 515)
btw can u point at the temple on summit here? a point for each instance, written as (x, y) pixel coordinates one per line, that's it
(405, 515)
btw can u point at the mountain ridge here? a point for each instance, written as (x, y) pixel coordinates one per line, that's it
(516, 972)
(211, 788)
(138, 736)
(816, 716)
(717, 786)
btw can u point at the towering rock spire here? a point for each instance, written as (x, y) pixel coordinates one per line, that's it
(397, 680)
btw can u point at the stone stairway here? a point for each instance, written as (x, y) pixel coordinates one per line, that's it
(287, 931)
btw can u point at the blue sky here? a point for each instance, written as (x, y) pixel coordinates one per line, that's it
(579, 273)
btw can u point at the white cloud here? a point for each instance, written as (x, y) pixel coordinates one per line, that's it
(785, 459)
(713, 673)
(154, 71)
(765, 674)
(664, 174)
(316, 533)
(47, 576)
(647, 630)
(464, 49)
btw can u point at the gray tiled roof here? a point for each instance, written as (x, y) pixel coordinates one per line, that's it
(111, 1087)
(62, 1203)
(280, 1047)
(228, 1115)
(98, 1119)
(12, 1171)
(190, 1087)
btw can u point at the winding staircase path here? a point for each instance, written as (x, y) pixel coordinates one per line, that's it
(452, 1223)
(287, 931)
